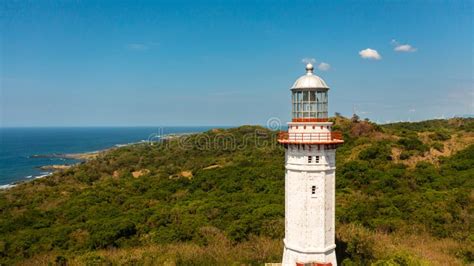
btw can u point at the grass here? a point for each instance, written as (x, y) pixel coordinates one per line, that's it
(219, 251)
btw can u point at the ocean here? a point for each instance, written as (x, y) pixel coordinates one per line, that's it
(24, 150)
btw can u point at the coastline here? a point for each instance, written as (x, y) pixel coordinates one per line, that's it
(81, 157)
(27, 179)
(51, 169)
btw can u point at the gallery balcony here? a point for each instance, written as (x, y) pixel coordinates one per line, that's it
(310, 138)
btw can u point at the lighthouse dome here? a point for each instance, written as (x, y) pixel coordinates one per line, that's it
(309, 81)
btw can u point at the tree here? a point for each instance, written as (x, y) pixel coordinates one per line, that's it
(355, 118)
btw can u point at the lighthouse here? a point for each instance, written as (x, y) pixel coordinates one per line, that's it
(310, 165)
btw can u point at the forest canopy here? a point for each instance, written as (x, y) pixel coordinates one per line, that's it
(222, 192)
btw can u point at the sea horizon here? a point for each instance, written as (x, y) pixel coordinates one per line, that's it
(207, 126)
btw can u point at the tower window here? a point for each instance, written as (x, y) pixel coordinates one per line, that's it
(316, 159)
(310, 159)
(313, 190)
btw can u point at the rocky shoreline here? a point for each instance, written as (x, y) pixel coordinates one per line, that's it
(56, 167)
(84, 156)
(50, 169)
(76, 156)
(81, 157)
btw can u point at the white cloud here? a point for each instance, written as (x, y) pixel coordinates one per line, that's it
(404, 48)
(137, 46)
(370, 54)
(308, 60)
(324, 66)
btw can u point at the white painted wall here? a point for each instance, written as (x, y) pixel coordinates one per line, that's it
(309, 219)
(305, 127)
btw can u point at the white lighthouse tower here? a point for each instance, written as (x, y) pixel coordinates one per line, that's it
(310, 165)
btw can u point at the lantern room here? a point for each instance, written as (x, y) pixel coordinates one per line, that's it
(309, 98)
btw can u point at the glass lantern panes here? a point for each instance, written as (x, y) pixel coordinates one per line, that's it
(309, 104)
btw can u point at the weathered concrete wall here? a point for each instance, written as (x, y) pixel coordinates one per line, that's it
(309, 205)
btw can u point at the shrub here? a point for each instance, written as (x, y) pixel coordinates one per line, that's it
(359, 245)
(413, 143)
(361, 129)
(440, 136)
(353, 172)
(60, 261)
(400, 259)
(378, 151)
(405, 155)
(466, 253)
(107, 232)
(437, 146)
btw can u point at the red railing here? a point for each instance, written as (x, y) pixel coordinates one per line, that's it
(310, 137)
(309, 120)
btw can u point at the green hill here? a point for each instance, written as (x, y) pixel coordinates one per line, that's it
(404, 197)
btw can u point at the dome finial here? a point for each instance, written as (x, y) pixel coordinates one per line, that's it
(309, 68)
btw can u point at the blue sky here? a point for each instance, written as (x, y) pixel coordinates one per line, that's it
(132, 63)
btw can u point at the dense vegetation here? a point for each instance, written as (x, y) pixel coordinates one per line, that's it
(217, 198)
